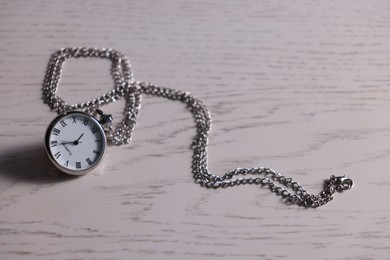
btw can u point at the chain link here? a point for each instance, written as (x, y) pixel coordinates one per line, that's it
(126, 87)
(123, 87)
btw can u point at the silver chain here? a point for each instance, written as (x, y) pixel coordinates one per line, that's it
(126, 87)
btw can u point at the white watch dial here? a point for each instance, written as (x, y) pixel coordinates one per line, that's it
(75, 142)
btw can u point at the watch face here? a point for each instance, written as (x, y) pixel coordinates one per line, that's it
(75, 142)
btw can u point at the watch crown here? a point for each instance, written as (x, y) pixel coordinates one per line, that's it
(105, 120)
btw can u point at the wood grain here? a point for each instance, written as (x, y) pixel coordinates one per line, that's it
(300, 86)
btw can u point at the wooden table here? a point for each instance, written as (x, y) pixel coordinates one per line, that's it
(301, 86)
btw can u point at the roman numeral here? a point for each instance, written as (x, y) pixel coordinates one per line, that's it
(66, 164)
(78, 165)
(86, 121)
(89, 161)
(98, 141)
(74, 119)
(94, 129)
(57, 155)
(53, 143)
(63, 123)
(96, 152)
(56, 131)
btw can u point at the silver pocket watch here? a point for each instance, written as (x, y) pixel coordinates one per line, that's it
(76, 142)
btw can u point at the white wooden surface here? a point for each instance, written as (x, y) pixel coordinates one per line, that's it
(299, 86)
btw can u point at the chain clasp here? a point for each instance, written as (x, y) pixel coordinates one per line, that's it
(341, 183)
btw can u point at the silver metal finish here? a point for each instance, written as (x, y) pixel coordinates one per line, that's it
(126, 88)
(75, 142)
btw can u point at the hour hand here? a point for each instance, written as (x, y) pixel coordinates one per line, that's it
(78, 140)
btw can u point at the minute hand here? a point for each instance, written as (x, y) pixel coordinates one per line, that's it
(73, 142)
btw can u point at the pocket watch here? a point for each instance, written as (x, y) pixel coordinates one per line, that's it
(75, 142)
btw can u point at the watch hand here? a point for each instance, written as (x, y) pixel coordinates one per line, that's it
(66, 148)
(73, 142)
(66, 142)
(80, 137)
(76, 142)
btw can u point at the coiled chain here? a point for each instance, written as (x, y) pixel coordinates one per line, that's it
(126, 87)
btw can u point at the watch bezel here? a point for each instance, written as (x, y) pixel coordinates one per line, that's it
(51, 156)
